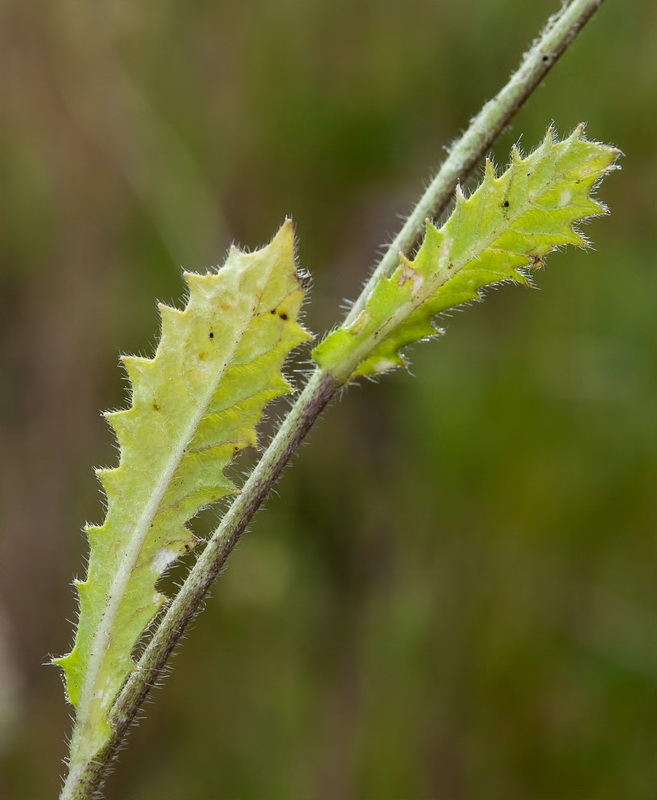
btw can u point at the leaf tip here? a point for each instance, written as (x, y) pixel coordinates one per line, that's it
(283, 240)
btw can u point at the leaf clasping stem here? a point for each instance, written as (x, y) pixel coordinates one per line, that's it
(85, 781)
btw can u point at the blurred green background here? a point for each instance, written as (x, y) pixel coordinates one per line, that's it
(452, 595)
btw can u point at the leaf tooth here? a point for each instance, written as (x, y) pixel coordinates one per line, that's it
(578, 238)
(504, 182)
(172, 322)
(579, 132)
(110, 480)
(63, 662)
(141, 374)
(490, 176)
(282, 244)
(201, 287)
(516, 156)
(283, 240)
(86, 596)
(594, 208)
(136, 365)
(122, 423)
(167, 310)
(424, 261)
(285, 234)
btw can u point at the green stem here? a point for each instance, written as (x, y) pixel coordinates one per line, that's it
(496, 114)
(84, 780)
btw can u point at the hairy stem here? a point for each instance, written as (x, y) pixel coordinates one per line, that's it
(85, 780)
(559, 32)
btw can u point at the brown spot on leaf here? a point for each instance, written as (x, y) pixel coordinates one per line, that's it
(408, 274)
(155, 406)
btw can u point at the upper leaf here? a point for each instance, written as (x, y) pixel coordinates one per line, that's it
(194, 406)
(509, 223)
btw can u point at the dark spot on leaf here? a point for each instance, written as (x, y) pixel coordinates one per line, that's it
(187, 548)
(506, 204)
(545, 58)
(283, 315)
(236, 449)
(155, 406)
(211, 335)
(273, 311)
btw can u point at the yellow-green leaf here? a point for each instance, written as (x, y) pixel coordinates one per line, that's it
(194, 406)
(508, 225)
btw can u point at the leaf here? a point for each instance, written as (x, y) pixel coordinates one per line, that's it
(195, 405)
(509, 223)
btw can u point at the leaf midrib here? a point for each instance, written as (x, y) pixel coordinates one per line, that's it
(116, 592)
(444, 275)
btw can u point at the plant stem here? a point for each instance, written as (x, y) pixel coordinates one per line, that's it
(495, 115)
(84, 781)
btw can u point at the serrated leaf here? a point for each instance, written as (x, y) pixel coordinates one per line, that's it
(508, 224)
(194, 406)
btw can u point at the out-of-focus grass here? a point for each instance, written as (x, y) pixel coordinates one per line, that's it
(453, 594)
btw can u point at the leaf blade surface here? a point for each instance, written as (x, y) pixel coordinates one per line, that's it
(195, 405)
(509, 224)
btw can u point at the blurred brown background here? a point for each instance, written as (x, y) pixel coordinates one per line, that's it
(453, 593)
